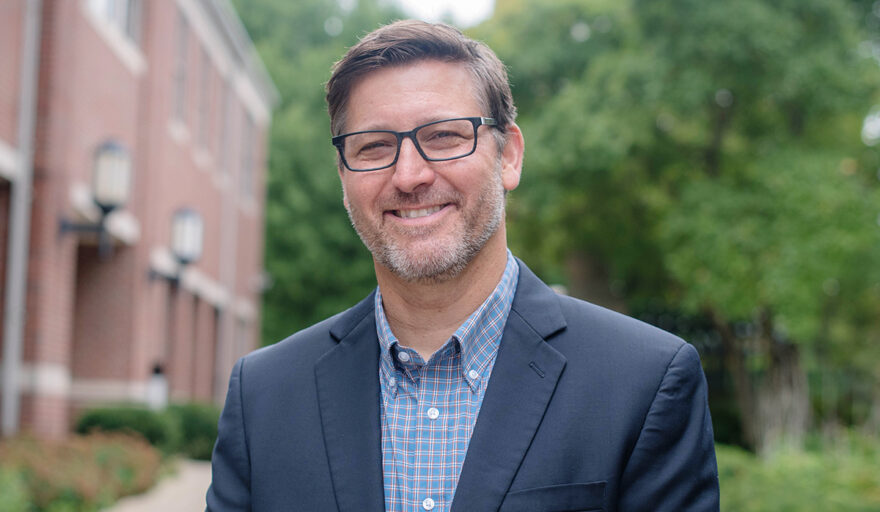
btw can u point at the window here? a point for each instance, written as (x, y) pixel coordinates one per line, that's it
(242, 337)
(180, 67)
(224, 143)
(247, 156)
(204, 97)
(133, 20)
(124, 15)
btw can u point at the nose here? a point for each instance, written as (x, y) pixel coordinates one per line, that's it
(411, 170)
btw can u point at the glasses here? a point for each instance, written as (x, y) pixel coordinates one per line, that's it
(448, 139)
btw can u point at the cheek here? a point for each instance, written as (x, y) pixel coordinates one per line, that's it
(359, 193)
(365, 188)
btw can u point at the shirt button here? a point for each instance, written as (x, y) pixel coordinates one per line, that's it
(392, 382)
(403, 356)
(428, 504)
(473, 374)
(433, 414)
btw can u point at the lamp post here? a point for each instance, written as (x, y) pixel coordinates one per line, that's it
(111, 186)
(187, 233)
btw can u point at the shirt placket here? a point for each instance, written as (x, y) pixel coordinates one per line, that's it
(416, 433)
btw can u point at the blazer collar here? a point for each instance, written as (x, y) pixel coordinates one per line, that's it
(347, 381)
(537, 304)
(526, 367)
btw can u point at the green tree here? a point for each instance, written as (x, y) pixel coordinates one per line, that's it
(318, 265)
(705, 155)
(694, 156)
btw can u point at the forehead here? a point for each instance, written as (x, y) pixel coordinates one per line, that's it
(423, 91)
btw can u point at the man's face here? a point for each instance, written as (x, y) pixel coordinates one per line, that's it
(425, 221)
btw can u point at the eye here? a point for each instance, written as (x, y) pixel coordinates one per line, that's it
(443, 134)
(370, 145)
(374, 146)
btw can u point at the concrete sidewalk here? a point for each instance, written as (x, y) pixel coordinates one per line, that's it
(181, 492)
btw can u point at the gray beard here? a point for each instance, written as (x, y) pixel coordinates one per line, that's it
(449, 262)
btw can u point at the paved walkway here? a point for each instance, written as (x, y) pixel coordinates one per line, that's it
(181, 492)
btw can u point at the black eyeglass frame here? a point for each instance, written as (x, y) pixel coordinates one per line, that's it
(339, 141)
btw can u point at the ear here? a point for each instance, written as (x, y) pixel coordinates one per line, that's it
(512, 158)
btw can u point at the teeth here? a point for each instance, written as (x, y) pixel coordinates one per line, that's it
(414, 214)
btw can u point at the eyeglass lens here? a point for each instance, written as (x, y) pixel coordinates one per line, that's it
(443, 140)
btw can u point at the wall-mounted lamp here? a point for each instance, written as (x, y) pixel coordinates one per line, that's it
(111, 185)
(187, 234)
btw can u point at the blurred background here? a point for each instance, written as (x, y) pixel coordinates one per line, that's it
(710, 167)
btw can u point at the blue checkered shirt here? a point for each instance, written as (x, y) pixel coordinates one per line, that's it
(429, 409)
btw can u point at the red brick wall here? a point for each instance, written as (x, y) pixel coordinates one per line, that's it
(107, 320)
(37, 411)
(4, 240)
(102, 344)
(11, 12)
(204, 353)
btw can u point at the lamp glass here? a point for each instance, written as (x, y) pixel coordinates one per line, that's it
(187, 232)
(111, 177)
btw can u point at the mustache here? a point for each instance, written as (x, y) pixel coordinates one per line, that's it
(398, 199)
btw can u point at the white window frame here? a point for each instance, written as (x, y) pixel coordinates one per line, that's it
(181, 58)
(118, 23)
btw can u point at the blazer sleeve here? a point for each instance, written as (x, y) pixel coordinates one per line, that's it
(672, 466)
(230, 488)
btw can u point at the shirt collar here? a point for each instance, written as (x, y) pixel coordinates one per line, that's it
(478, 337)
(480, 334)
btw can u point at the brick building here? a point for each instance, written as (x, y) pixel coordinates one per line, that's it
(175, 87)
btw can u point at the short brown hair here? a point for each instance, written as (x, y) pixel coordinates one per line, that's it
(409, 41)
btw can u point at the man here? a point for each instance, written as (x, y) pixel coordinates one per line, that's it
(463, 382)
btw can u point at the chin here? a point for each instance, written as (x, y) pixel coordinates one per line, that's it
(425, 266)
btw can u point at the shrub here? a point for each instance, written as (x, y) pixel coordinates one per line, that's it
(842, 476)
(82, 473)
(198, 428)
(157, 428)
(13, 491)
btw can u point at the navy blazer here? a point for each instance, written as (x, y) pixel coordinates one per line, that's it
(586, 409)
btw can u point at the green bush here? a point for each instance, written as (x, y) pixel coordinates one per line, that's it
(79, 474)
(198, 428)
(13, 491)
(843, 476)
(157, 428)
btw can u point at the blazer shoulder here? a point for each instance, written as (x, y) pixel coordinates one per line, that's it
(303, 348)
(607, 329)
(298, 344)
(576, 327)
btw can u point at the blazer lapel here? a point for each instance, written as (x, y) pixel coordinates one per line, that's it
(523, 380)
(348, 396)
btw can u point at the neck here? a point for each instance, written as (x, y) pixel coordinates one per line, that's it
(424, 315)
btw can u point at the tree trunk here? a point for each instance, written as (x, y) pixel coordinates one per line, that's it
(589, 280)
(713, 149)
(783, 399)
(774, 401)
(871, 426)
(743, 390)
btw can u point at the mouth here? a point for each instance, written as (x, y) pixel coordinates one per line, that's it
(417, 213)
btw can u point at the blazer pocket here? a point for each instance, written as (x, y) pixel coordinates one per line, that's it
(557, 498)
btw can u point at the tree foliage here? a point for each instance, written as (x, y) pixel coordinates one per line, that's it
(696, 157)
(704, 157)
(318, 265)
